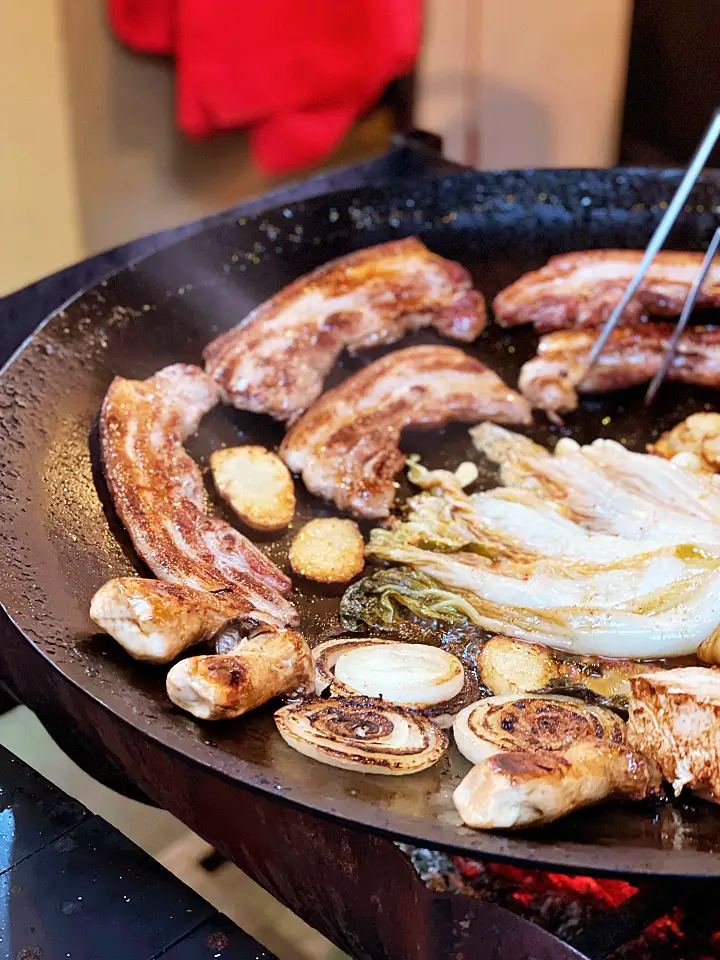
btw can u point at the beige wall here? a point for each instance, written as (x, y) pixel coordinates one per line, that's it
(39, 228)
(136, 174)
(549, 79)
(89, 156)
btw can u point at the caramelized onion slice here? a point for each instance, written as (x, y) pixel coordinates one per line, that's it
(531, 722)
(415, 675)
(364, 735)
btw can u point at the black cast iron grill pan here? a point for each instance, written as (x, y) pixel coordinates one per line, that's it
(60, 539)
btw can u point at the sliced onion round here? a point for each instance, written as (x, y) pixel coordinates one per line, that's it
(531, 722)
(362, 735)
(412, 674)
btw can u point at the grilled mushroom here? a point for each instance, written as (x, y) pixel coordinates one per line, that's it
(155, 621)
(260, 667)
(523, 789)
(510, 666)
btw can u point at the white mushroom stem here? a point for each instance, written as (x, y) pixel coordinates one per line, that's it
(155, 621)
(223, 686)
(523, 789)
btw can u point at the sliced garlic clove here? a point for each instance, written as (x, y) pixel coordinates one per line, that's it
(362, 735)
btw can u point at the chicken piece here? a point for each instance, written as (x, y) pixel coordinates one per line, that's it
(328, 550)
(510, 666)
(527, 789)
(155, 621)
(158, 492)
(256, 484)
(674, 717)
(582, 289)
(697, 436)
(277, 359)
(552, 380)
(258, 668)
(346, 445)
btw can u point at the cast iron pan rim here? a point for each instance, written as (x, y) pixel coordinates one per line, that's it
(589, 858)
(626, 861)
(709, 175)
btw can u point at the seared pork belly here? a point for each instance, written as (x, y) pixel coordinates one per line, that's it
(582, 289)
(552, 380)
(347, 445)
(277, 359)
(158, 492)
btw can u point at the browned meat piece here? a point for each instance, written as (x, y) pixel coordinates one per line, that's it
(696, 438)
(158, 490)
(675, 719)
(258, 668)
(581, 289)
(552, 380)
(277, 359)
(155, 621)
(346, 445)
(514, 790)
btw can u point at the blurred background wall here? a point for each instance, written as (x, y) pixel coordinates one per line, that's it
(89, 156)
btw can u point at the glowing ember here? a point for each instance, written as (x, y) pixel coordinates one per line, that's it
(532, 882)
(571, 906)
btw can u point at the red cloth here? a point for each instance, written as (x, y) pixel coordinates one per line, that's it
(299, 71)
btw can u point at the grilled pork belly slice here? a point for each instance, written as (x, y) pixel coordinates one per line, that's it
(527, 789)
(347, 445)
(582, 289)
(258, 668)
(158, 492)
(552, 380)
(675, 719)
(155, 621)
(277, 359)
(695, 441)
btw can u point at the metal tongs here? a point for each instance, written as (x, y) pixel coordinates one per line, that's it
(656, 242)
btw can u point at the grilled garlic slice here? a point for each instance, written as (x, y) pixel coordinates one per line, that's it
(367, 736)
(513, 666)
(531, 722)
(413, 675)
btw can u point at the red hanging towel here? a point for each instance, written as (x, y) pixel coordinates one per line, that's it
(299, 71)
